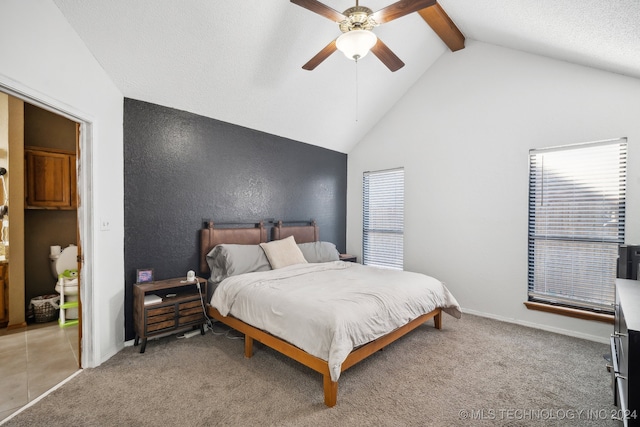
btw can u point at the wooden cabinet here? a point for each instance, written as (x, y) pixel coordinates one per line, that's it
(180, 308)
(50, 179)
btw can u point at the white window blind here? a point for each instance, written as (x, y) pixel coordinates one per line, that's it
(576, 223)
(383, 219)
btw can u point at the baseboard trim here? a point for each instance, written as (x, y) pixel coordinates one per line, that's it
(17, 326)
(568, 332)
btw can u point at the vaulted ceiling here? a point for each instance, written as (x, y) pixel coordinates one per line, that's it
(241, 61)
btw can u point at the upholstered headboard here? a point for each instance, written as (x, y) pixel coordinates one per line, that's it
(211, 236)
(301, 233)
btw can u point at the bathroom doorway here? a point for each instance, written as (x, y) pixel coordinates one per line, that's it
(43, 128)
(50, 214)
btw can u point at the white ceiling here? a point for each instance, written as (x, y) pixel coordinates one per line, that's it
(240, 61)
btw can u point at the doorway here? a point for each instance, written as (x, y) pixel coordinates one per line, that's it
(50, 214)
(77, 219)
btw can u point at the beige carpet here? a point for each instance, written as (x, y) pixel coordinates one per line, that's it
(475, 371)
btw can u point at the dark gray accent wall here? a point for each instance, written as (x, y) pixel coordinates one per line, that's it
(182, 169)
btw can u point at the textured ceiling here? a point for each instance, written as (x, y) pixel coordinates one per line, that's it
(240, 61)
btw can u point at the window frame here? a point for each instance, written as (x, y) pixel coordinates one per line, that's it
(569, 220)
(385, 220)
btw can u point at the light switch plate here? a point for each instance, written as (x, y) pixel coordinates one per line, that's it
(105, 225)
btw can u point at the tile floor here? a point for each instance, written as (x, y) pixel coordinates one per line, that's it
(33, 360)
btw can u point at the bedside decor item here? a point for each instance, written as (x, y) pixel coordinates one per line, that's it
(144, 275)
(191, 276)
(154, 299)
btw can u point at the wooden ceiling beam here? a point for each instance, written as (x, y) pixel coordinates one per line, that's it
(443, 26)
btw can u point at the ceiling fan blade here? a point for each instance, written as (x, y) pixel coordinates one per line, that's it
(387, 57)
(320, 56)
(320, 9)
(400, 9)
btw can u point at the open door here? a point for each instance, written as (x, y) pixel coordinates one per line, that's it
(74, 188)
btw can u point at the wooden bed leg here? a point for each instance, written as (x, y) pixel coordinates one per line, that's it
(437, 320)
(248, 346)
(330, 391)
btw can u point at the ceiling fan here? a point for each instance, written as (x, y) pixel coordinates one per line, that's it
(356, 24)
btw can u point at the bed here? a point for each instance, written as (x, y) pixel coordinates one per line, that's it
(312, 311)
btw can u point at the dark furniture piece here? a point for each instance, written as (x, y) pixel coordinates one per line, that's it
(348, 258)
(625, 351)
(628, 262)
(180, 308)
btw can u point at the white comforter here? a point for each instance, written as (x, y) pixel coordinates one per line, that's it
(329, 309)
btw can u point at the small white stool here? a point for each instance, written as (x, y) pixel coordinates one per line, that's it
(65, 305)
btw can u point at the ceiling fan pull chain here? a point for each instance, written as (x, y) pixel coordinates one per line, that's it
(356, 89)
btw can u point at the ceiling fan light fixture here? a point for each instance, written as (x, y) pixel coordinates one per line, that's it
(355, 44)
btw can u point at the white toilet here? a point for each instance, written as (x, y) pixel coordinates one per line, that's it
(66, 259)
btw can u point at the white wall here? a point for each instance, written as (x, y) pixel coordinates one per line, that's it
(42, 58)
(463, 133)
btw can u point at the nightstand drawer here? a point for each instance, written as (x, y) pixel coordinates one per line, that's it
(153, 312)
(190, 311)
(151, 320)
(184, 320)
(155, 327)
(191, 304)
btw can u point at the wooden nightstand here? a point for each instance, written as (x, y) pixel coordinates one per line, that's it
(179, 308)
(348, 258)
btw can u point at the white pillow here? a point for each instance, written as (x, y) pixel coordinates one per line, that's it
(282, 253)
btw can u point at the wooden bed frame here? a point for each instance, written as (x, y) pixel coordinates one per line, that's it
(210, 237)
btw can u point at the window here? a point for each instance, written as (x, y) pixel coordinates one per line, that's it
(383, 219)
(576, 222)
